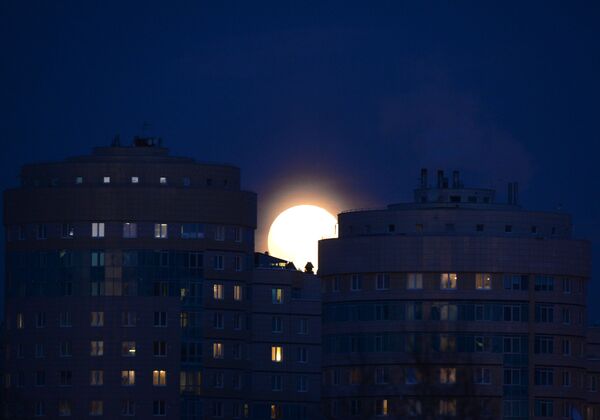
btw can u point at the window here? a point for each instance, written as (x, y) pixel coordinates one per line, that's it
(78, 180)
(447, 375)
(593, 383)
(302, 384)
(448, 281)
(414, 311)
(544, 344)
(483, 376)
(302, 355)
(355, 407)
(276, 354)
(39, 351)
(160, 230)
(40, 378)
(483, 281)
(544, 408)
(276, 324)
(303, 326)
(65, 378)
(129, 230)
(218, 380)
(97, 319)
(218, 350)
(128, 348)
(186, 181)
(42, 232)
(449, 227)
(128, 377)
(237, 321)
(275, 382)
(544, 377)
(159, 348)
(159, 408)
(135, 180)
(96, 348)
(515, 282)
(39, 409)
(275, 411)
(218, 262)
(447, 408)
(159, 377)
(479, 228)
(566, 285)
(65, 349)
(381, 407)
(96, 377)
(97, 258)
(410, 376)
(383, 281)
(218, 320)
(508, 228)
(391, 228)
(218, 291)
(192, 231)
(237, 351)
(128, 319)
(544, 284)
(20, 321)
(277, 296)
(336, 284)
(96, 408)
(237, 292)
(566, 378)
(40, 320)
(414, 408)
(220, 233)
(127, 408)
(447, 343)
(163, 180)
(106, 180)
(566, 315)
(68, 230)
(65, 320)
(414, 281)
(356, 282)
(544, 313)
(566, 347)
(97, 230)
(160, 319)
(381, 376)
(64, 408)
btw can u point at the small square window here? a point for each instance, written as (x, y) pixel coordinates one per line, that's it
(479, 228)
(186, 182)
(135, 180)
(508, 228)
(163, 180)
(106, 180)
(79, 180)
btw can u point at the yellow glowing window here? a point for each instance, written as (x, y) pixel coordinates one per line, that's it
(237, 292)
(275, 412)
(448, 375)
(128, 348)
(448, 280)
(218, 291)
(483, 281)
(277, 296)
(382, 408)
(159, 377)
(276, 354)
(217, 350)
(127, 377)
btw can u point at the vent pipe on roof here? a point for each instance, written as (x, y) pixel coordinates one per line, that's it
(424, 178)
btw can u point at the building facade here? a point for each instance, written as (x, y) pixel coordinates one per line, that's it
(455, 305)
(126, 287)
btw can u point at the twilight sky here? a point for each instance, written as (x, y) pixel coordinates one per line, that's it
(331, 103)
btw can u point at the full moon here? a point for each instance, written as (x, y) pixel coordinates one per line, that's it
(295, 233)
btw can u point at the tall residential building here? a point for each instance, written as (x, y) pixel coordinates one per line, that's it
(455, 305)
(127, 287)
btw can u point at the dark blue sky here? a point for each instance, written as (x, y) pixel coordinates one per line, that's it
(326, 101)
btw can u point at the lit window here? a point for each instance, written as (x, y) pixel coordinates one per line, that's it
(128, 348)
(97, 230)
(97, 258)
(96, 348)
(277, 296)
(97, 319)
(447, 375)
(135, 180)
(217, 350)
(447, 408)
(20, 321)
(448, 281)
(96, 377)
(483, 281)
(68, 230)
(128, 377)
(277, 354)
(414, 281)
(96, 408)
(163, 180)
(106, 180)
(159, 377)
(160, 230)
(381, 408)
(129, 230)
(237, 292)
(79, 180)
(275, 412)
(218, 291)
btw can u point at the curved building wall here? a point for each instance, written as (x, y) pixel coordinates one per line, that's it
(128, 269)
(454, 312)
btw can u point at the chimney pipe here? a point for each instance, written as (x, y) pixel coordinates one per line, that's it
(424, 178)
(455, 179)
(440, 178)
